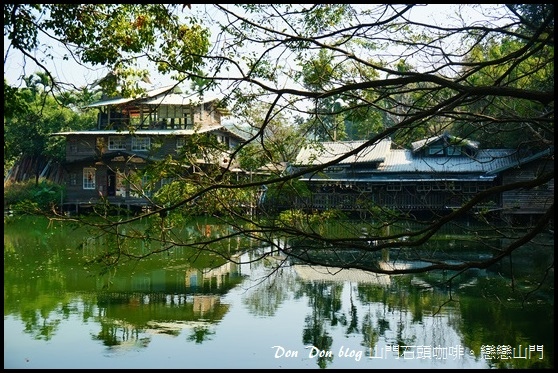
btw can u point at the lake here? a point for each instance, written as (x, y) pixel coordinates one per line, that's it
(186, 309)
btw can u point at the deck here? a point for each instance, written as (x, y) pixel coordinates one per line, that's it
(130, 204)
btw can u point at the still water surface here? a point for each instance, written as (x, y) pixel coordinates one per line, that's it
(190, 311)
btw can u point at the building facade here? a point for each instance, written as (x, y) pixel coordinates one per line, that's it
(132, 134)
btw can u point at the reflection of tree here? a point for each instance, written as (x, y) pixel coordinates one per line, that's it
(266, 298)
(401, 303)
(402, 338)
(315, 334)
(200, 334)
(325, 300)
(141, 299)
(494, 322)
(493, 310)
(32, 268)
(353, 317)
(325, 303)
(112, 334)
(44, 330)
(370, 333)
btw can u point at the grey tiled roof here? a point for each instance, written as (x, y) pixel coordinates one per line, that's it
(447, 139)
(485, 160)
(406, 161)
(325, 152)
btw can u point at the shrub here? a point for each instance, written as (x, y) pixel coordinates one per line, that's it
(28, 196)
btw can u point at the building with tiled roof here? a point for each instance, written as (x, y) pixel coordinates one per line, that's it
(108, 162)
(439, 173)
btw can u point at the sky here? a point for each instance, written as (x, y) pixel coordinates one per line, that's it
(70, 71)
(16, 66)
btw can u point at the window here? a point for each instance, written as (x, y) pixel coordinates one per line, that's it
(452, 186)
(188, 116)
(423, 187)
(170, 111)
(141, 143)
(117, 143)
(73, 179)
(73, 146)
(436, 150)
(88, 178)
(438, 186)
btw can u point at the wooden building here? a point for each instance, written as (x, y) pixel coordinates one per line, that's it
(439, 173)
(130, 134)
(527, 201)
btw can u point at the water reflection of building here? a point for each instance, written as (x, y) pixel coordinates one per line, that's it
(204, 303)
(212, 278)
(322, 273)
(174, 280)
(156, 302)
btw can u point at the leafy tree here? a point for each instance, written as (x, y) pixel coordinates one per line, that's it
(116, 36)
(398, 77)
(318, 75)
(33, 113)
(276, 139)
(520, 73)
